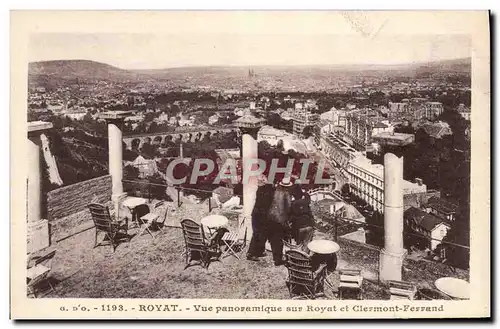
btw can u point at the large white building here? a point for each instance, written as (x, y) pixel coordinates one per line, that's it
(367, 182)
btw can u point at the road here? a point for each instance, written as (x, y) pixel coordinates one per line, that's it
(317, 156)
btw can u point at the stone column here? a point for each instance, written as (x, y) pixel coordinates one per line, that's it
(38, 229)
(249, 146)
(393, 253)
(115, 153)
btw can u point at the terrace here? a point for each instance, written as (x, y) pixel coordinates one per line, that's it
(154, 267)
(149, 267)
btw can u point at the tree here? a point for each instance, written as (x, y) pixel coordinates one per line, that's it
(130, 172)
(458, 254)
(308, 131)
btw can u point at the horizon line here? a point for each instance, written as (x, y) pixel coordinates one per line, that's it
(251, 65)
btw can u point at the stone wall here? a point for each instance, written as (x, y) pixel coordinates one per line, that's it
(72, 199)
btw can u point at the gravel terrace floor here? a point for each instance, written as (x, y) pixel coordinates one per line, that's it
(154, 268)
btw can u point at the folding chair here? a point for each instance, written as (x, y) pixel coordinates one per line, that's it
(402, 290)
(235, 241)
(142, 212)
(155, 216)
(39, 273)
(351, 281)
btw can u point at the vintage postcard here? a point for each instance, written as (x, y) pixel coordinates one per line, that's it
(250, 165)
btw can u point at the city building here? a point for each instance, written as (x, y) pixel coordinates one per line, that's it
(270, 134)
(337, 151)
(433, 110)
(361, 125)
(367, 182)
(75, 113)
(303, 118)
(437, 130)
(442, 208)
(336, 117)
(393, 139)
(464, 111)
(421, 223)
(414, 109)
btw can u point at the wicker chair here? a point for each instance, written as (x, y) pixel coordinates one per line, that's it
(113, 230)
(198, 247)
(303, 280)
(288, 245)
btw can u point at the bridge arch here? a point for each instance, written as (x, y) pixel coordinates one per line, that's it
(157, 139)
(135, 144)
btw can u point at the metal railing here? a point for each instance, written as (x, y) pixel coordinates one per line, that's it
(338, 220)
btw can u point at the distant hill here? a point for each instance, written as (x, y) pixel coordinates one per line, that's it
(60, 71)
(64, 70)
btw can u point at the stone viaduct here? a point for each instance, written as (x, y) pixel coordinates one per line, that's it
(185, 135)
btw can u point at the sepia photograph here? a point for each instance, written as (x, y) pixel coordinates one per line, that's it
(320, 171)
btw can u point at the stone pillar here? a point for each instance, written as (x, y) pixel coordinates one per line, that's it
(249, 145)
(181, 156)
(393, 253)
(34, 181)
(115, 154)
(38, 228)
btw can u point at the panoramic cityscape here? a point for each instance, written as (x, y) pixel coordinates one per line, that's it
(202, 180)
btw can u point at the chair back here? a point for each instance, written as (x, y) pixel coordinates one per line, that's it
(299, 266)
(158, 205)
(45, 258)
(242, 230)
(193, 235)
(291, 246)
(101, 217)
(402, 289)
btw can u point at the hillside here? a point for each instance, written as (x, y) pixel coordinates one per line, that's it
(71, 70)
(60, 71)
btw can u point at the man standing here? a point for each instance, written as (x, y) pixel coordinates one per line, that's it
(301, 217)
(279, 220)
(260, 213)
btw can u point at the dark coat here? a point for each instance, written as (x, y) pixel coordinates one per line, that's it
(280, 206)
(262, 205)
(300, 213)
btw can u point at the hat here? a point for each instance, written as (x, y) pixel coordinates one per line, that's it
(286, 182)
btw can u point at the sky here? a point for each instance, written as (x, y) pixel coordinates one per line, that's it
(161, 50)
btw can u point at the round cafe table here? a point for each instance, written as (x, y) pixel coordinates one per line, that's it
(453, 287)
(324, 252)
(213, 222)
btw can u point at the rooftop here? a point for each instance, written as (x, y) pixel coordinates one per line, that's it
(366, 164)
(393, 136)
(442, 205)
(115, 114)
(422, 218)
(38, 125)
(248, 120)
